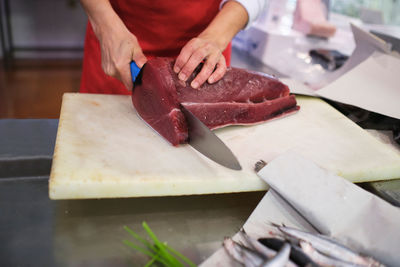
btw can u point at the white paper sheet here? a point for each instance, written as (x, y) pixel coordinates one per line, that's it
(329, 204)
(369, 80)
(373, 85)
(337, 207)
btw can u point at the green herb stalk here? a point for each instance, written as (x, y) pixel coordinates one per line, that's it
(158, 251)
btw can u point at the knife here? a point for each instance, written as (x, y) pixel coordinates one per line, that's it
(201, 137)
(207, 143)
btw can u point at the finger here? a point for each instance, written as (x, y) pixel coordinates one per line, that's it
(122, 71)
(126, 77)
(106, 65)
(185, 54)
(139, 58)
(206, 70)
(219, 71)
(195, 59)
(109, 70)
(125, 71)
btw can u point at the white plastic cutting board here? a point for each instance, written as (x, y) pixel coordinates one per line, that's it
(104, 150)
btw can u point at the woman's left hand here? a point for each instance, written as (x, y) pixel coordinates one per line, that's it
(208, 46)
(197, 50)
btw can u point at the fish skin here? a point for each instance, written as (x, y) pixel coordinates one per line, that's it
(281, 258)
(233, 250)
(321, 259)
(297, 256)
(243, 254)
(328, 246)
(260, 248)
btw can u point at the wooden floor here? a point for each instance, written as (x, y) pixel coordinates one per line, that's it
(34, 88)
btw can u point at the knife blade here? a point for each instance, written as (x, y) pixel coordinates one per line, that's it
(201, 137)
(207, 143)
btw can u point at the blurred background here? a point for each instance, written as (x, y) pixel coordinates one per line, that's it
(389, 9)
(42, 46)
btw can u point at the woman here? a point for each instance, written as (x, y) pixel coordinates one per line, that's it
(194, 31)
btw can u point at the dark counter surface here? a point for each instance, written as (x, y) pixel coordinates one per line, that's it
(26, 146)
(37, 231)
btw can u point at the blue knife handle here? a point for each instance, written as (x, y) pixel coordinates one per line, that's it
(134, 71)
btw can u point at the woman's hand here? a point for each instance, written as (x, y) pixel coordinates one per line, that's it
(193, 53)
(118, 49)
(118, 45)
(208, 46)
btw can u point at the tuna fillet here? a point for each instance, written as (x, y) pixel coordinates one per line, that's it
(241, 97)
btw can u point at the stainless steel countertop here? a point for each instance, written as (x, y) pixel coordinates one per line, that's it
(36, 231)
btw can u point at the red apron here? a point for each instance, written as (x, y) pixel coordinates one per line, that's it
(162, 28)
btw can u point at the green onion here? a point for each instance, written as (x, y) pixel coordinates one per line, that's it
(159, 251)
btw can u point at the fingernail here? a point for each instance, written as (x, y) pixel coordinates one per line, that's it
(210, 80)
(182, 77)
(195, 85)
(176, 69)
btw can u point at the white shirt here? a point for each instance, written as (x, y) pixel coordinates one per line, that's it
(253, 8)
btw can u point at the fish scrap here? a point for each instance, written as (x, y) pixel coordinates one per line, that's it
(293, 247)
(311, 244)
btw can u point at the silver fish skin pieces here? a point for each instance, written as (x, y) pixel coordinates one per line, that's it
(281, 258)
(242, 254)
(233, 250)
(321, 259)
(328, 247)
(260, 248)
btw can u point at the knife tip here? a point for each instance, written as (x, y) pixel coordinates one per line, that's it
(235, 167)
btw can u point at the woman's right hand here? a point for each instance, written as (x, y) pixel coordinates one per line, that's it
(118, 45)
(118, 48)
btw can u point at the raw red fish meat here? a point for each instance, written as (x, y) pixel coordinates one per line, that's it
(240, 97)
